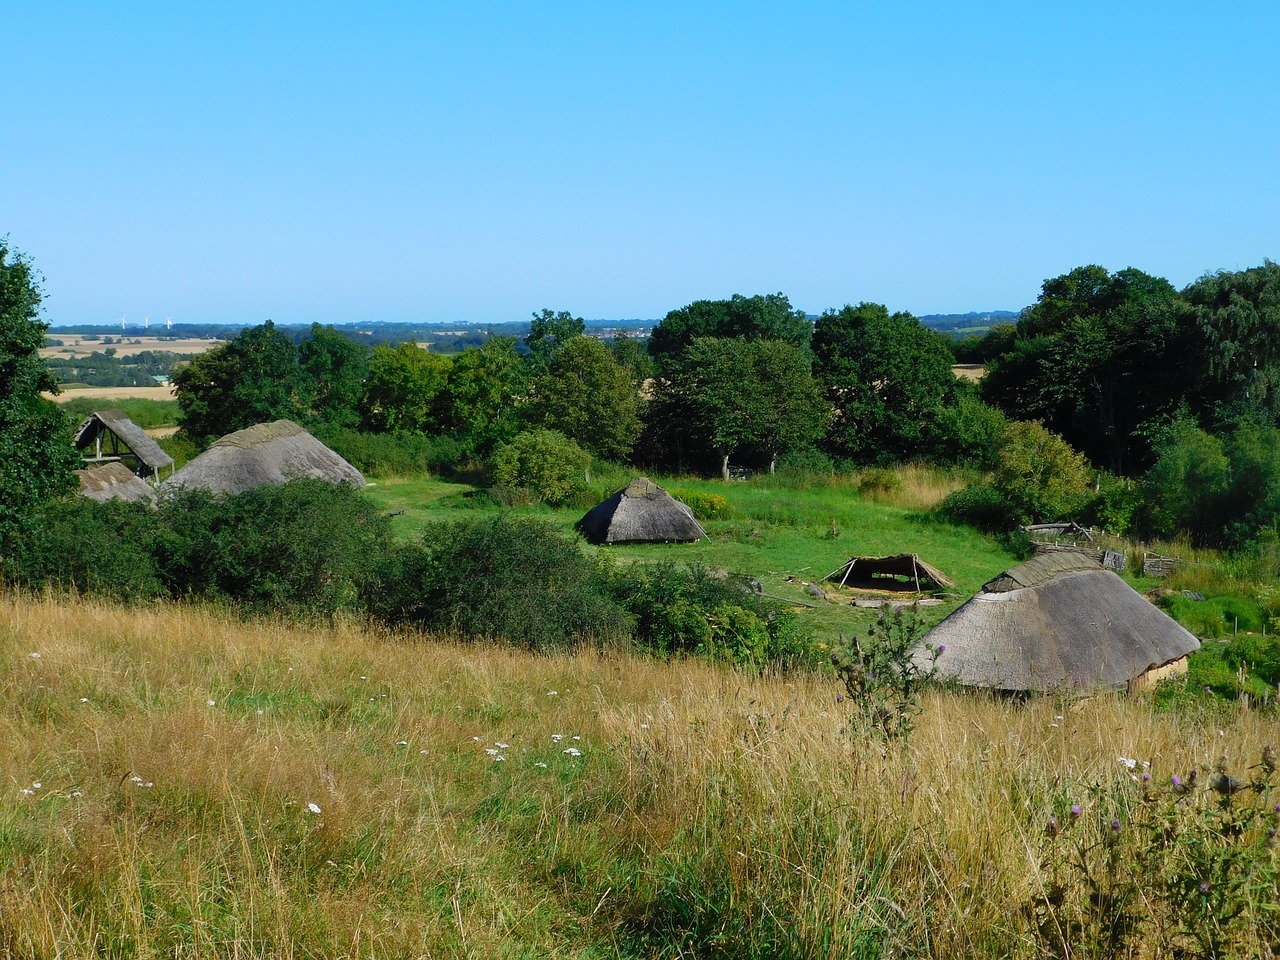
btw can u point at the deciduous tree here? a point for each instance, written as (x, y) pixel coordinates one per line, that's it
(768, 317)
(589, 397)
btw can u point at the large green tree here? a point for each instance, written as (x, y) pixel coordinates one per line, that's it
(484, 394)
(336, 366)
(727, 396)
(589, 397)
(768, 317)
(549, 331)
(36, 458)
(1091, 359)
(886, 375)
(255, 378)
(405, 390)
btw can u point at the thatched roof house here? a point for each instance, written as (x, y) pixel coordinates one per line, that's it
(1058, 621)
(906, 571)
(114, 481)
(113, 437)
(266, 453)
(641, 512)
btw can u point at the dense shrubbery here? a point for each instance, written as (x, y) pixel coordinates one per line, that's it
(393, 454)
(499, 578)
(546, 463)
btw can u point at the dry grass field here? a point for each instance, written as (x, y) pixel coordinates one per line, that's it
(74, 345)
(180, 783)
(115, 393)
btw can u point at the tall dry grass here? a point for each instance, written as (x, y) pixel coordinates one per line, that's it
(710, 813)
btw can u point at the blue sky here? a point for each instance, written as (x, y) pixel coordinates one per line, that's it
(436, 162)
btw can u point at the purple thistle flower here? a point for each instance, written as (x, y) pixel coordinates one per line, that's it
(839, 698)
(1075, 810)
(1204, 889)
(1146, 776)
(1115, 826)
(942, 648)
(1052, 827)
(1177, 780)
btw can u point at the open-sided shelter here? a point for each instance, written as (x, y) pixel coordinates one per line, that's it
(266, 453)
(641, 512)
(114, 481)
(905, 571)
(108, 436)
(1057, 621)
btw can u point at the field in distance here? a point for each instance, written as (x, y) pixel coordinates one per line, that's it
(75, 345)
(163, 392)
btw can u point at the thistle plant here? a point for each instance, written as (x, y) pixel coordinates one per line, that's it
(1180, 867)
(881, 677)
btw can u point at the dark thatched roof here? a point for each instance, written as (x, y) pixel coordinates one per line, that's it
(1059, 620)
(905, 571)
(132, 436)
(266, 453)
(641, 512)
(114, 481)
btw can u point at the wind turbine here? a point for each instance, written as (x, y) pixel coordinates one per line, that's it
(168, 323)
(122, 323)
(146, 322)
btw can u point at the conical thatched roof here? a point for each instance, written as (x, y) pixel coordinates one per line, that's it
(641, 512)
(905, 571)
(1059, 620)
(265, 453)
(114, 481)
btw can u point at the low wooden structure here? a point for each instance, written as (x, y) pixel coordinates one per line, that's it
(904, 571)
(108, 436)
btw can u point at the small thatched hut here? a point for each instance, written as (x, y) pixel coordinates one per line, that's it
(114, 481)
(1057, 621)
(906, 571)
(266, 453)
(108, 436)
(641, 512)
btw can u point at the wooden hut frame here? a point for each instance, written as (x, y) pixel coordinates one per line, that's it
(113, 437)
(893, 573)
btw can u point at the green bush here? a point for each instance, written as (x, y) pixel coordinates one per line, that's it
(393, 454)
(506, 578)
(306, 547)
(1039, 475)
(550, 465)
(691, 610)
(978, 505)
(705, 506)
(879, 480)
(101, 549)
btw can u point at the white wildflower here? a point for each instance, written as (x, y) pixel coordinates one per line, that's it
(213, 703)
(577, 738)
(557, 737)
(37, 785)
(75, 793)
(573, 752)
(501, 746)
(553, 693)
(84, 699)
(313, 808)
(1129, 762)
(491, 751)
(540, 765)
(644, 726)
(499, 758)
(33, 656)
(402, 743)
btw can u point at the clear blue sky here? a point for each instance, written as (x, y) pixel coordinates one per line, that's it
(441, 161)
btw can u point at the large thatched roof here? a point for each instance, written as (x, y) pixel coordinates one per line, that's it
(101, 424)
(1059, 620)
(273, 453)
(905, 571)
(641, 512)
(114, 481)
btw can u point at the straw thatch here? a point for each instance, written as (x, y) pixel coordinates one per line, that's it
(113, 436)
(267, 453)
(905, 571)
(641, 512)
(1058, 621)
(114, 481)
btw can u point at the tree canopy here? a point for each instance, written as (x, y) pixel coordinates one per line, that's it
(405, 390)
(887, 377)
(589, 397)
(768, 317)
(36, 459)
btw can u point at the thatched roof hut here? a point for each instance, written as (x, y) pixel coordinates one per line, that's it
(111, 436)
(1058, 621)
(114, 481)
(641, 512)
(266, 453)
(905, 571)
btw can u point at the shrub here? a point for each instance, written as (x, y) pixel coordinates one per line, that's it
(979, 505)
(1039, 475)
(305, 547)
(393, 454)
(97, 548)
(969, 432)
(879, 480)
(705, 506)
(691, 610)
(506, 578)
(881, 677)
(549, 464)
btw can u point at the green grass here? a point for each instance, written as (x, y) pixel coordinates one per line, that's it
(144, 412)
(773, 531)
